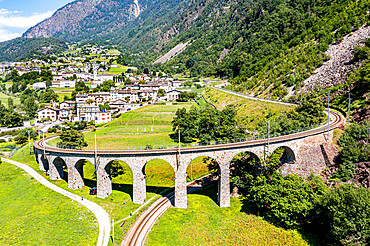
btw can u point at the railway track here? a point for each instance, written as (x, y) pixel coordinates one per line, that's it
(138, 232)
(336, 120)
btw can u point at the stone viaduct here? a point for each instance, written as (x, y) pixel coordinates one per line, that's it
(303, 154)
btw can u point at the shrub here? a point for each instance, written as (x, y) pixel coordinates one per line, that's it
(342, 215)
(286, 200)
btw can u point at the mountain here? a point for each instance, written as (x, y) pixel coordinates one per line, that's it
(132, 24)
(275, 45)
(263, 46)
(22, 48)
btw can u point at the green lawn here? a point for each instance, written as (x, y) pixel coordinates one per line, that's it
(61, 92)
(205, 223)
(118, 70)
(31, 214)
(159, 177)
(193, 89)
(249, 112)
(138, 121)
(4, 99)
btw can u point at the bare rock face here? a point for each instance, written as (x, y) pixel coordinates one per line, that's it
(362, 176)
(83, 19)
(337, 70)
(361, 115)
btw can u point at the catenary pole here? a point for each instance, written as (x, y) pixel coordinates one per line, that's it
(29, 140)
(349, 107)
(328, 113)
(191, 170)
(268, 137)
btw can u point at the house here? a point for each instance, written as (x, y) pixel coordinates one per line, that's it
(173, 95)
(39, 86)
(64, 114)
(118, 104)
(176, 84)
(48, 113)
(67, 84)
(104, 77)
(92, 112)
(67, 104)
(149, 87)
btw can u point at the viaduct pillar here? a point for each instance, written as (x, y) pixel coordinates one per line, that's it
(138, 184)
(104, 182)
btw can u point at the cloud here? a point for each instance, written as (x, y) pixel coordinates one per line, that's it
(16, 20)
(6, 35)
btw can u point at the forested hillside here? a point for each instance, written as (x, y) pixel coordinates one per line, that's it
(133, 27)
(277, 44)
(269, 47)
(22, 48)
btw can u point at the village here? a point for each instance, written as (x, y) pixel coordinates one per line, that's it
(128, 89)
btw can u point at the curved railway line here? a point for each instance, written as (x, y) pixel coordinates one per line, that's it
(335, 120)
(140, 229)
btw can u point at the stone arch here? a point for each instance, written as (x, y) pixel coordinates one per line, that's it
(200, 166)
(43, 162)
(161, 167)
(104, 176)
(221, 176)
(288, 156)
(58, 168)
(248, 155)
(117, 167)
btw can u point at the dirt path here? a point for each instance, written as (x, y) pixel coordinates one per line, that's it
(100, 214)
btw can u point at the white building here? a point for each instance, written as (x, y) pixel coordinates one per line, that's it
(92, 112)
(67, 84)
(103, 77)
(173, 95)
(39, 86)
(48, 113)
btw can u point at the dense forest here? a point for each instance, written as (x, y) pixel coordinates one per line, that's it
(23, 48)
(276, 44)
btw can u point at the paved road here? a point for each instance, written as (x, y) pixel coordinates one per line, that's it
(254, 98)
(101, 215)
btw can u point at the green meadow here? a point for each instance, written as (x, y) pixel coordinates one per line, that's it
(31, 214)
(205, 223)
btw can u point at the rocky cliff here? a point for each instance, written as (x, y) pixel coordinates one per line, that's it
(85, 19)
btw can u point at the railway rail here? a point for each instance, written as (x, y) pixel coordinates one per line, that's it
(336, 120)
(138, 232)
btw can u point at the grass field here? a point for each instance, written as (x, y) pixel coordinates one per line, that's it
(63, 92)
(249, 112)
(118, 70)
(4, 99)
(193, 88)
(138, 121)
(159, 177)
(205, 223)
(31, 214)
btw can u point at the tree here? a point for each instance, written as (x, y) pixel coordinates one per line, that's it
(342, 215)
(48, 95)
(206, 124)
(30, 106)
(10, 103)
(352, 150)
(72, 139)
(104, 106)
(186, 96)
(161, 92)
(286, 200)
(22, 136)
(13, 119)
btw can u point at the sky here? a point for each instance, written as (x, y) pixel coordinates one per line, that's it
(16, 16)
